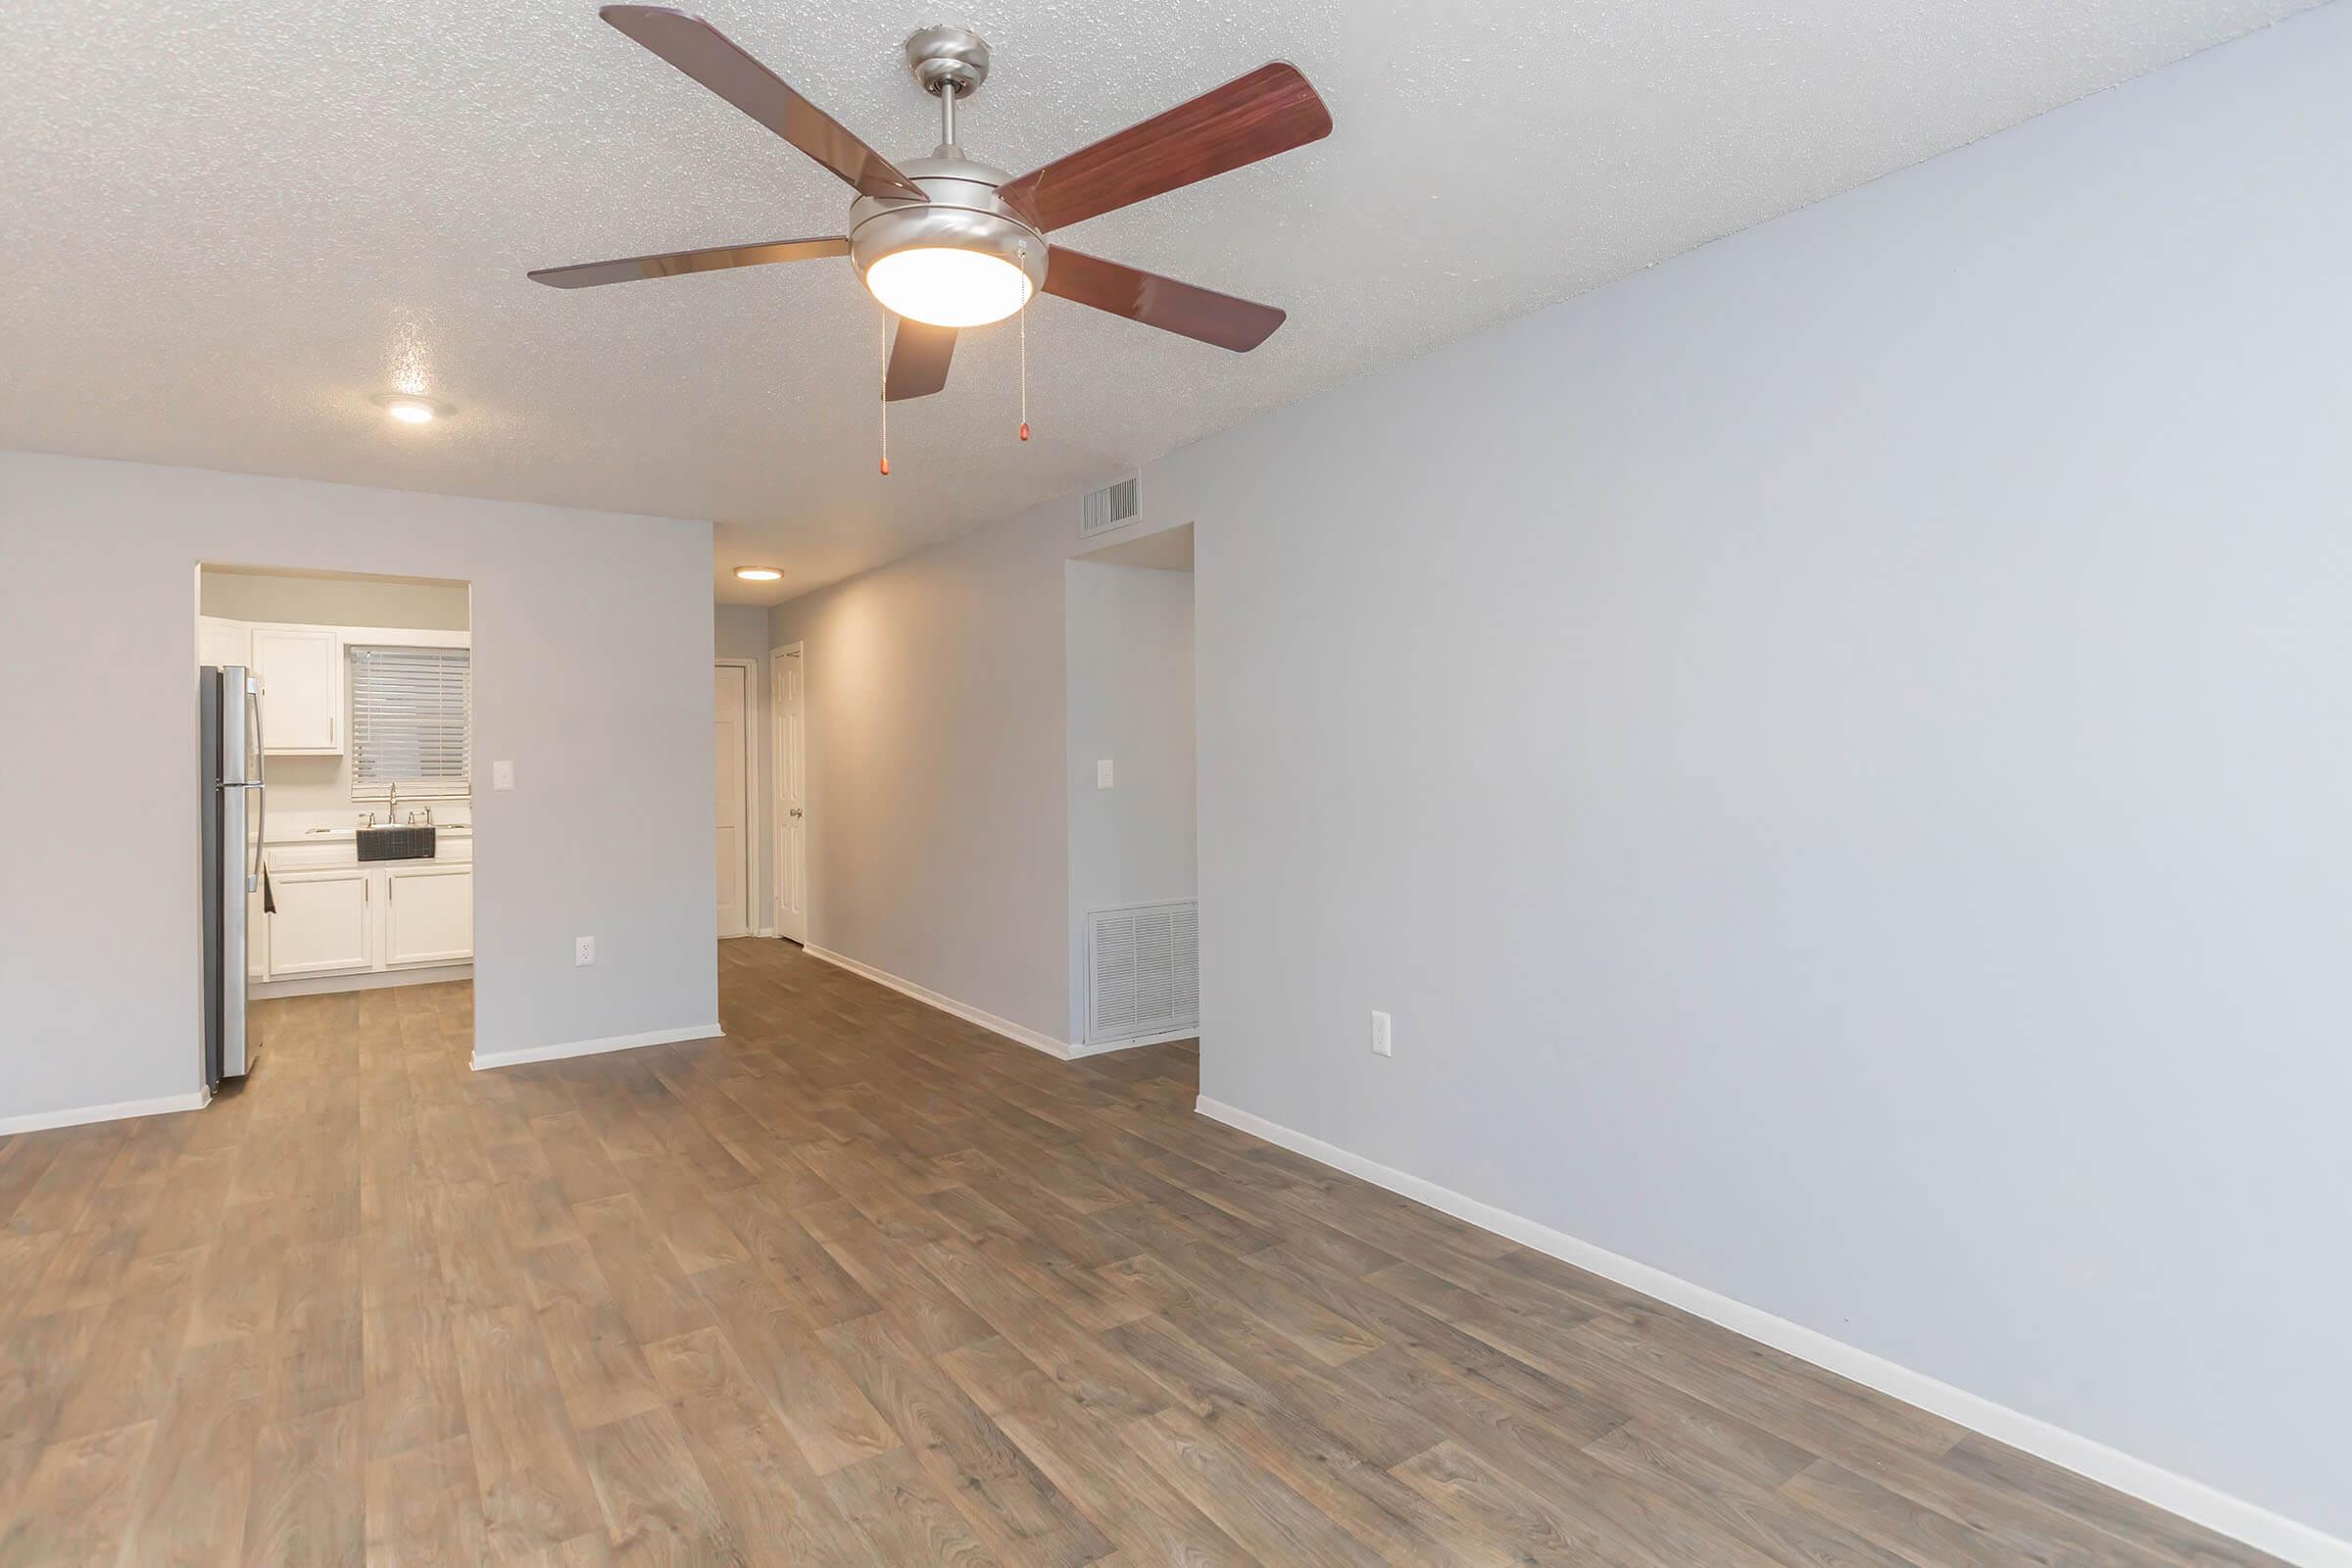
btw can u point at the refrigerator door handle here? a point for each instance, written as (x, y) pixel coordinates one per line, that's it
(261, 788)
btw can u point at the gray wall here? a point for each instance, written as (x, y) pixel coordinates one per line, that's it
(937, 849)
(740, 631)
(591, 637)
(1128, 640)
(1837, 753)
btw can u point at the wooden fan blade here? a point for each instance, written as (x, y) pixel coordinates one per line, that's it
(1270, 111)
(671, 264)
(918, 360)
(706, 55)
(1197, 313)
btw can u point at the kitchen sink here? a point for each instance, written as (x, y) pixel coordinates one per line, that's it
(396, 843)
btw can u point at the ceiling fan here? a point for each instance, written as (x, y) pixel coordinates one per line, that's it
(945, 242)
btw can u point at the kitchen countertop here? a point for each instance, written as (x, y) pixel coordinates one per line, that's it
(347, 835)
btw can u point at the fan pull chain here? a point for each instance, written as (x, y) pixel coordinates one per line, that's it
(882, 322)
(1024, 351)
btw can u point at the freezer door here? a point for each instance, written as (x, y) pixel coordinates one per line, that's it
(240, 726)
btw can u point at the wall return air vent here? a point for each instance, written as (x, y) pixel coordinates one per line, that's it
(1143, 971)
(1114, 506)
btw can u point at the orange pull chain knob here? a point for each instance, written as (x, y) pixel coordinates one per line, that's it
(885, 468)
(1024, 430)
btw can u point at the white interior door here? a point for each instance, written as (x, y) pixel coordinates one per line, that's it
(730, 751)
(789, 704)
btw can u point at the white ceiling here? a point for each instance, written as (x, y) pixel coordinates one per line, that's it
(228, 225)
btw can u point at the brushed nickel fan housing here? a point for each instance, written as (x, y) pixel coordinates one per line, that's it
(963, 212)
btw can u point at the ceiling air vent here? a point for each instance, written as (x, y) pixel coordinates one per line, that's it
(1114, 506)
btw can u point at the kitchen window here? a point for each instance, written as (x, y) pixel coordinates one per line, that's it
(412, 723)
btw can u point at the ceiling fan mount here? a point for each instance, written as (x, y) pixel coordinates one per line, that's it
(946, 242)
(945, 57)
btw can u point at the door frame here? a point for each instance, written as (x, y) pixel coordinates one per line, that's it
(777, 773)
(751, 788)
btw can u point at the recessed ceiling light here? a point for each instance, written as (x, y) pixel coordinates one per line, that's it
(408, 409)
(759, 573)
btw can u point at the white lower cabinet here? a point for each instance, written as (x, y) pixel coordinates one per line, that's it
(428, 915)
(335, 916)
(324, 922)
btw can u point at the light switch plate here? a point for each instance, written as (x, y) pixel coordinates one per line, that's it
(1382, 1043)
(1103, 774)
(502, 775)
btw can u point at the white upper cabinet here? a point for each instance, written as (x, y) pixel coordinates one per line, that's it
(223, 642)
(301, 673)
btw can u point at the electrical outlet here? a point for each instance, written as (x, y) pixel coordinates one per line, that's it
(1103, 774)
(1382, 1044)
(583, 950)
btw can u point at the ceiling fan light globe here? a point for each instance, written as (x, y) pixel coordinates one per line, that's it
(943, 285)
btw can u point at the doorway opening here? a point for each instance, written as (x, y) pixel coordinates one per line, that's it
(336, 732)
(1134, 911)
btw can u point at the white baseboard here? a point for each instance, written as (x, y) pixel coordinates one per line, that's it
(969, 1015)
(594, 1047)
(2151, 1484)
(313, 985)
(120, 1110)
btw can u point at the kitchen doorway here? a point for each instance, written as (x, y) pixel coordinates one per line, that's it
(336, 740)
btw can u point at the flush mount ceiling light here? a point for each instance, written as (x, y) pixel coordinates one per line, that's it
(946, 242)
(941, 285)
(759, 573)
(407, 409)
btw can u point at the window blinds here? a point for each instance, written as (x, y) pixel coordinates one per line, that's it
(411, 720)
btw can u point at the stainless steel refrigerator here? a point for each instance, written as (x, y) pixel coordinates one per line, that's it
(236, 812)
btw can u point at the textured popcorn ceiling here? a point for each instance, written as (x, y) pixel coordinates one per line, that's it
(224, 227)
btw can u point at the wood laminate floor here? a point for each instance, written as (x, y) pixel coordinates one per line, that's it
(864, 1284)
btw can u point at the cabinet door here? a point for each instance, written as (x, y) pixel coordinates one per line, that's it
(429, 915)
(323, 922)
(302, 689)
(223, 642)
